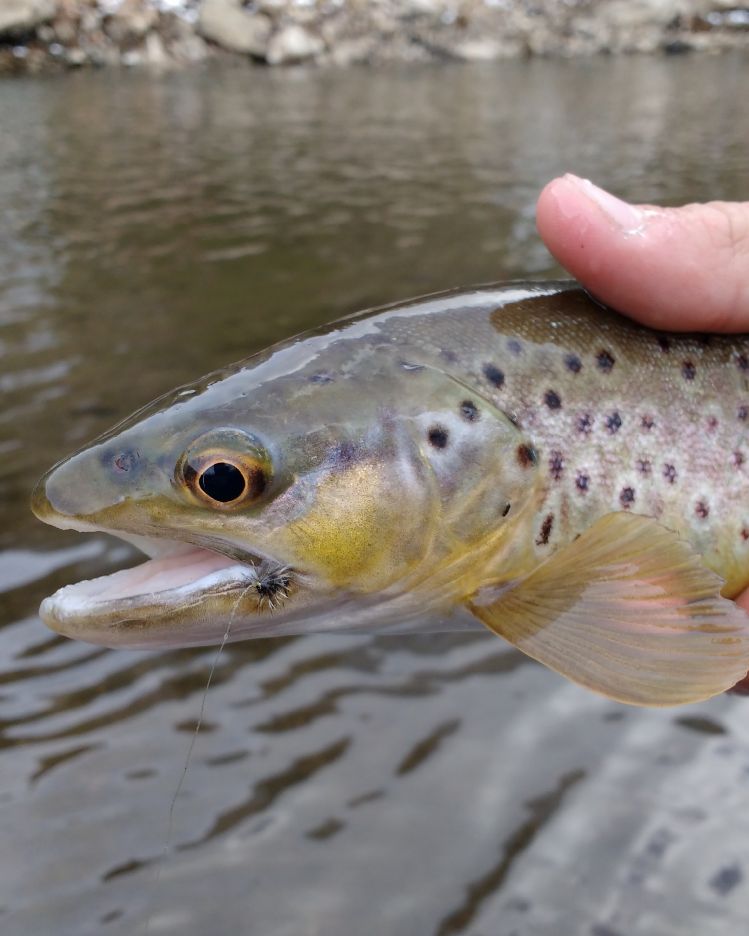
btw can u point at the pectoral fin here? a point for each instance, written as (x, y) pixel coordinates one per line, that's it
(627, 610)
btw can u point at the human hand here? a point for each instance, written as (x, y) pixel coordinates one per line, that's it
(677, 269)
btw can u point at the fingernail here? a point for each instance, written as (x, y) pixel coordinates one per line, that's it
(623, 215)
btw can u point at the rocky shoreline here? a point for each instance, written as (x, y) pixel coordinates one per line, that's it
(57, 35)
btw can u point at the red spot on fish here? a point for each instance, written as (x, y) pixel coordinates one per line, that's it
(738, 459)
(545, 533)
(647, 423)
(712, 423)
(702, 510)
(744, 534)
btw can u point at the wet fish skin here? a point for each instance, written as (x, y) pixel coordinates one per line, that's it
(429, 457)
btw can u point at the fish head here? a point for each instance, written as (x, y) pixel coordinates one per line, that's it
(289, 499)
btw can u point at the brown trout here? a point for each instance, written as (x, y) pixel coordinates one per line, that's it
(514, 455)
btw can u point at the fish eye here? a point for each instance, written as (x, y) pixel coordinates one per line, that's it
(224, 469)
(222, 482)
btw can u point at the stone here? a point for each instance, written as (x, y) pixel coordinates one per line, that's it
(228, 25)
(293, 44)
(20, 17)
(132, 20)
(485, 50)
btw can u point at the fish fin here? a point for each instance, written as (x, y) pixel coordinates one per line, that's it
(628, 610)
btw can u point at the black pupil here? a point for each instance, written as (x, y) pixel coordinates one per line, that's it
(222, 482)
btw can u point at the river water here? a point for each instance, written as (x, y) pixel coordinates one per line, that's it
(156, 228)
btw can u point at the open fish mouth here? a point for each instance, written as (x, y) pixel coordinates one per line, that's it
(183, 590)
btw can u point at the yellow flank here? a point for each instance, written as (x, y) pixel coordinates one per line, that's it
(356, 532)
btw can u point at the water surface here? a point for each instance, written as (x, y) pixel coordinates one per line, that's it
(153, 229)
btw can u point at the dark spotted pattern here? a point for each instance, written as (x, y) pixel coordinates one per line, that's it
(438, 437)
(527, 455)
(613, 422)
(556, 465)
(743, 413)
(712, 423)
(573, 363)
(582, 482)
(701, 509)
(585, 423)
(744, 534)
(469, 411)
(627, 497)
(664, 344)
(647, 423)
(494, 375)
(321, 378)
(605, 361)
(545, 532)
(514, 346)
(644, 466)
(669, 473)
(688, 370)
(743, 362)
(506, 510)
(738, 458)
(552, 400)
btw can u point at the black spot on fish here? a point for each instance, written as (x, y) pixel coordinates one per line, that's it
(702, 509)
(644, 466)
(527, 455)
(469, 411)
(688, 370)
(514, 346)
(556, 465)
(506, 510)
(585, 423)
(743, 413)
(738, 458)
(494, 375)
(438, 437)
(627, 497)
(613, 422)
(552, 399)
(726, 879)
(582, 482)
(450, 356)
(712, 423)
(704, 339)
(321, 378)
(545, 532)
(605, 361)
(663, 343)
(669, 473)
(573, 363)
(647, 423)
(742, 362)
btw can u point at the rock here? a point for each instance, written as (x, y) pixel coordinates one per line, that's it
(19, 17)
(130, 21)
(293, 44)
(155, 52)
(228, 25)
(485, 50)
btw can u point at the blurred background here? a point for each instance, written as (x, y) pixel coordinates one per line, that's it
(169, 211)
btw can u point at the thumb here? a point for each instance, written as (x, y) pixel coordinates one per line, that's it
(678, 269)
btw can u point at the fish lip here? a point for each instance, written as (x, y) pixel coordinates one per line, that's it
(155, 601)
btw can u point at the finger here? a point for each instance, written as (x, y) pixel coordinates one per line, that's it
(672, 268)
